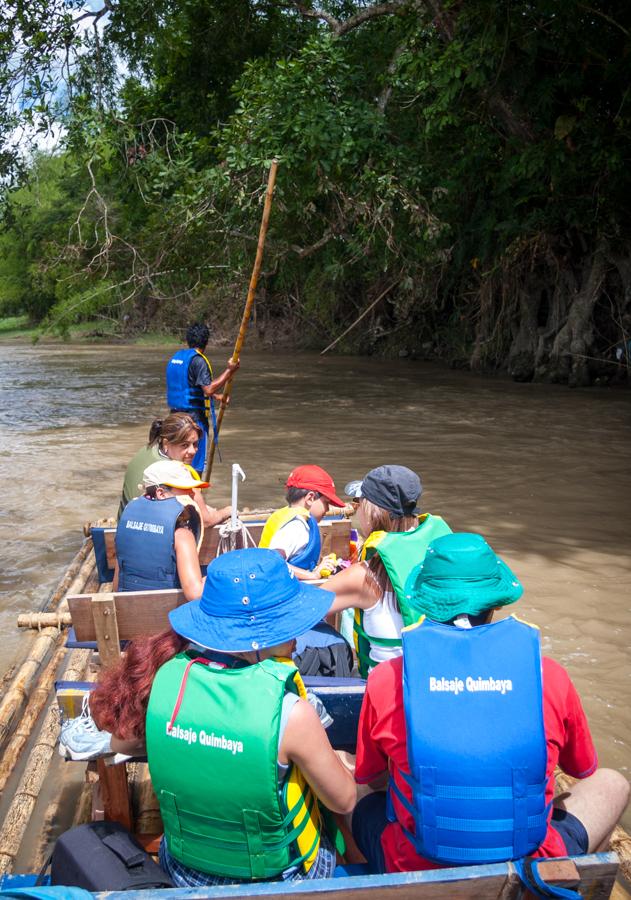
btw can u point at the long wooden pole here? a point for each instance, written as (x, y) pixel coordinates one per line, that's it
(245, 320)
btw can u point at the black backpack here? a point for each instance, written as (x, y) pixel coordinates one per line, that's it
(332, 661)
(104, 856)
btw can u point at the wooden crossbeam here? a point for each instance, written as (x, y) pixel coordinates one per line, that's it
(138, 613)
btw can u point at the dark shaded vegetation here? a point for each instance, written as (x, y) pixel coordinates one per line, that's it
(461, 166)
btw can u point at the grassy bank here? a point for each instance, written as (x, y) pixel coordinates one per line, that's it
(19, 329)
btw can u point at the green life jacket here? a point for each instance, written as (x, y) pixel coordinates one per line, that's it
(212, 747)
(400, 552)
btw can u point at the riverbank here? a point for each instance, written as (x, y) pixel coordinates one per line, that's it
(276, 335)
(18, 329)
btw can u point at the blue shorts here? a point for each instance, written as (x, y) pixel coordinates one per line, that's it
(572, 831)
(369, 821)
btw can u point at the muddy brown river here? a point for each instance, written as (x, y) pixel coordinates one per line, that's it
(543, 472)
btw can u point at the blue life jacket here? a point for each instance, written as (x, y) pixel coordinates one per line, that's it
(309, 556)
(145, 545)
(476, 741)
(180, 395)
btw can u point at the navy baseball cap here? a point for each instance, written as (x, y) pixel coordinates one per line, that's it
(250, 600)
(396, 489)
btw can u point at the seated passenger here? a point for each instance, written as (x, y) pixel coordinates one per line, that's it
(293, 530)
(238, 758)
(159, 534)
(176, 437)
(465, 731)
(396, 539)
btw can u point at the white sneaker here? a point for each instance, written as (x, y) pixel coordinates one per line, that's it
(81, 739)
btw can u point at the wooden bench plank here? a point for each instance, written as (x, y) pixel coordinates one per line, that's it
(138, 613)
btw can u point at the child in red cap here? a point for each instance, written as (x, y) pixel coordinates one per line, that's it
(293, 530)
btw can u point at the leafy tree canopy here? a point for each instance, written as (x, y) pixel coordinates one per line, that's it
(460, 164)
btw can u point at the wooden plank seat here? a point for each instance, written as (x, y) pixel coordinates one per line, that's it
(334, 530)
(593, 875)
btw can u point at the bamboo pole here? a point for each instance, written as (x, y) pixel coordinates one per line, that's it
(76, 584)
(22, 733)
(28, 790)
(70, 573)
(44, 620)
(20, 687)
(24, 681)
(245, 320)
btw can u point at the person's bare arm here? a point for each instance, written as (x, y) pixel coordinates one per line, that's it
(352, 589)
(135, 747)
(210, 515)
(188, 569)
(217, 383)
(305, 743)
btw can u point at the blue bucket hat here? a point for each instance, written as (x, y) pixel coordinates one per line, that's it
(250, 601)
(460, 574)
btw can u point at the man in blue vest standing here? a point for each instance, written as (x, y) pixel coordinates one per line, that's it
(191, 387)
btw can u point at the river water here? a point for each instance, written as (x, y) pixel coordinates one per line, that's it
(543, 472)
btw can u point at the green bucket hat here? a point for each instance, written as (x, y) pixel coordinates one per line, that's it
(460, 574)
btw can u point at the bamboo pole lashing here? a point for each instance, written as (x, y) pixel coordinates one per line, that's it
(249, 303)
(38, 621)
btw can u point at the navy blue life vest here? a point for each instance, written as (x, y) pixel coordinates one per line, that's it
(309, 556)
(476, 741)
(180, 395)
(145, 545)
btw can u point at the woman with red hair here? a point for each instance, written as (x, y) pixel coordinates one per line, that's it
(228, 729)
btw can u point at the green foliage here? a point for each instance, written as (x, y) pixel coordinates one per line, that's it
(423, 153)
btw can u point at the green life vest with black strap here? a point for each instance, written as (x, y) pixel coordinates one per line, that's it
(212, 747)
(399, 551)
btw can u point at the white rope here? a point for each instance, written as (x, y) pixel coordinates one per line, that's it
(234, 537)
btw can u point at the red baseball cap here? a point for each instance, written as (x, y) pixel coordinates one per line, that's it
(313, 478)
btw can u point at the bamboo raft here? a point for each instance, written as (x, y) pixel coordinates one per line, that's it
(29, 732)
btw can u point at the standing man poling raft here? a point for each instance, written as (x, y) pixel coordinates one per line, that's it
(191, 387)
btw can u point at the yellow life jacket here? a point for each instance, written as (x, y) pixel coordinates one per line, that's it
(297, 793)
(279, 519)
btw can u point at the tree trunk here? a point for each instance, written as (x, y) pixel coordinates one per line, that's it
(568, 358)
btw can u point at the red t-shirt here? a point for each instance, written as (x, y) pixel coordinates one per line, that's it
(382, 737)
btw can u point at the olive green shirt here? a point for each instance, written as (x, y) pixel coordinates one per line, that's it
(134, 472)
